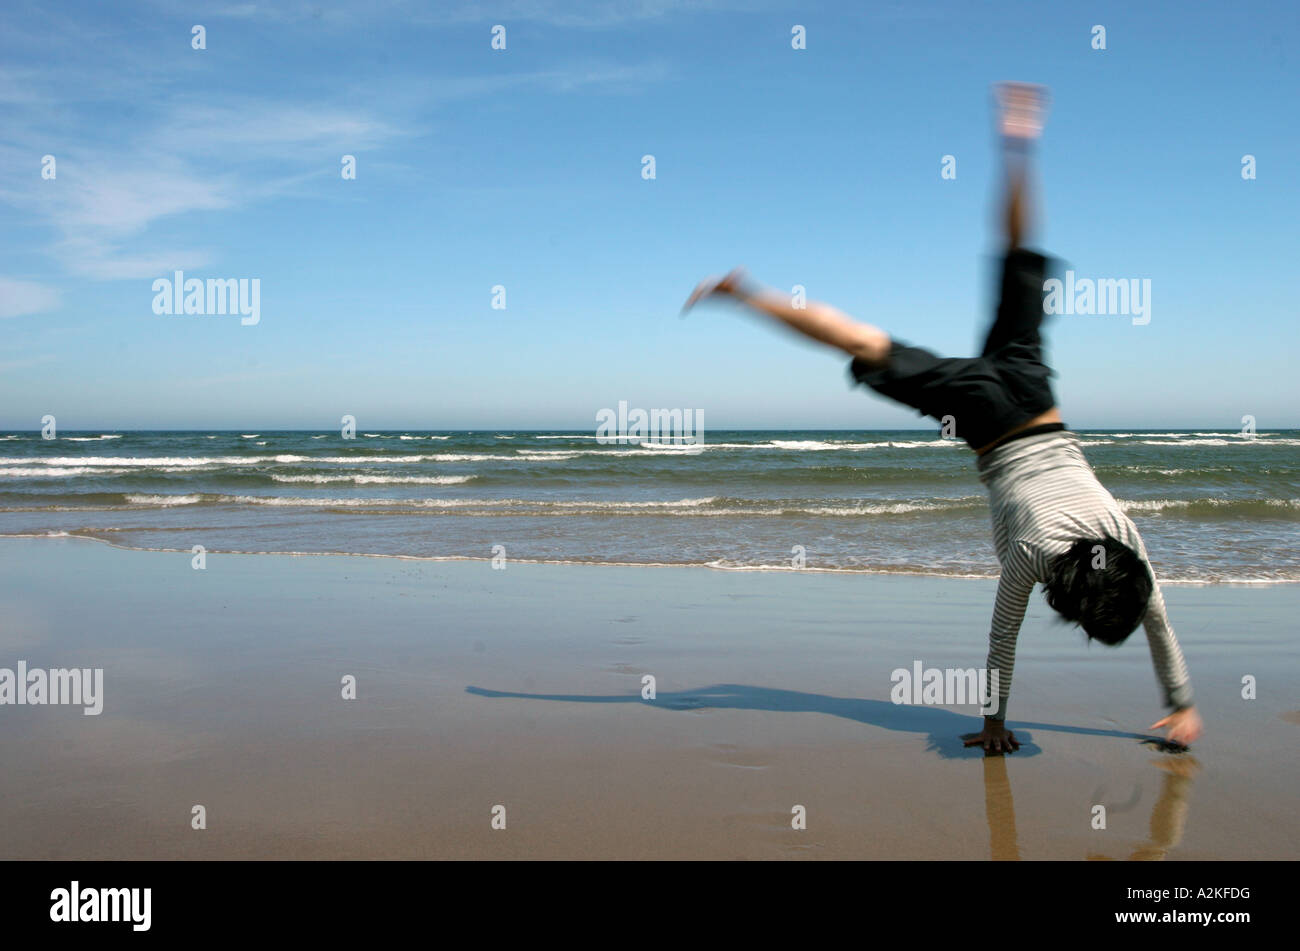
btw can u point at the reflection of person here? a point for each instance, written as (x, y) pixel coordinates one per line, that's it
(1169, 816)
(1000, 811)
(1053, 522)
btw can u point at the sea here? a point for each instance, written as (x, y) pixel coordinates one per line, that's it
(1212, 506)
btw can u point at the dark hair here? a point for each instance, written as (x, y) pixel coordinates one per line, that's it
(1109, 600)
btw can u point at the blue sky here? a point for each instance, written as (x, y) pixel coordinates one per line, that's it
(522, 168)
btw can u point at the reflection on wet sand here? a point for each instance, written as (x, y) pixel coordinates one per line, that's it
(1000, 811)
(1168, 816)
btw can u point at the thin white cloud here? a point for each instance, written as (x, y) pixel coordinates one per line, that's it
(100, 206)
(255, 130)
(105, 199)
(20, 298)
(104, 260)
(99, 199)
(126, 187)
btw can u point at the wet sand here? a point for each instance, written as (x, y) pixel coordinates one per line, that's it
(522, 687)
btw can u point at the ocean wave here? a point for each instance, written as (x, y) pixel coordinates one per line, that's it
(194, 462)
(52, 472)
(1149, 469)
(133, 461)
(817, 445)
(558, 455)
(373, 457)
(540, 505)
(1153, 435)
(1227, 434)
(1236, 506)
(668, 449)
(701, 506)
(679, 447)
(712, 506)
(375, 479)
(784, 445)
(808, 445)
(1229, 441)
(90, 438)
(146, 462)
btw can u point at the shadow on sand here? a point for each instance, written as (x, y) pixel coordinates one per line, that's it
(943, 729)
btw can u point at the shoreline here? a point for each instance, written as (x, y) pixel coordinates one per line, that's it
(713, 566)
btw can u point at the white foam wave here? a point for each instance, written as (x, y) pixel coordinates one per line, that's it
(375, 479)
(292, 501)
(164, 500)
(704, 506)
(51, 472)
(889, 508)
(153, 462)
(1160, 505)
(138, 462)
(1230, 434)
(1228, 441)
(815, 445)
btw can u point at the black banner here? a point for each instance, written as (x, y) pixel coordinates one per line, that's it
(925, 901)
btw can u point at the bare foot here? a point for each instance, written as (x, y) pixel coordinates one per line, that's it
(1022, 108)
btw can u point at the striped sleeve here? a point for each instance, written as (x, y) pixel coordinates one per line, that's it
(1166, 655)
(1014, 588)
